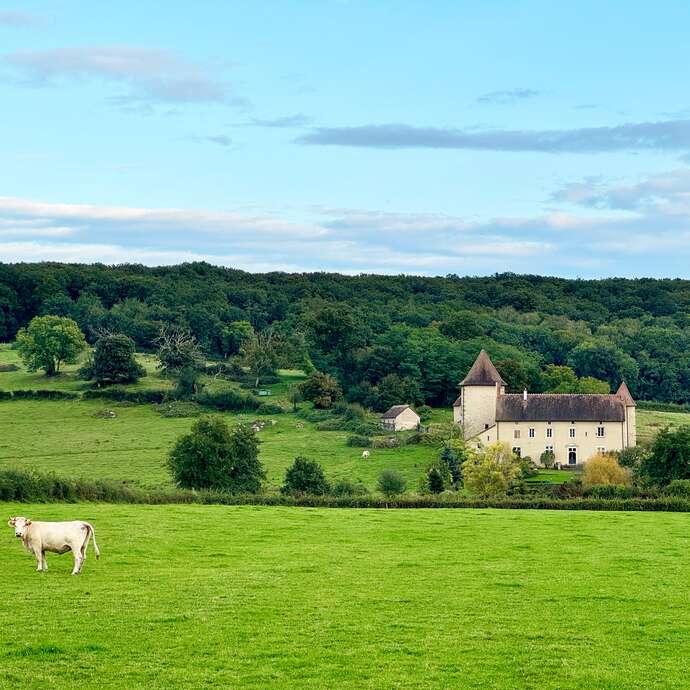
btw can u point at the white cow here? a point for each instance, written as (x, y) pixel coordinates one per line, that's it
(365, 454)
(58, 537)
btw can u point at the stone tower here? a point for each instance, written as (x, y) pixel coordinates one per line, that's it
(630, 418)
(475, 409)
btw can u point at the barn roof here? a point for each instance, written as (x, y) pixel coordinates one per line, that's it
(560, 407)
(482, 373)
(395, 411)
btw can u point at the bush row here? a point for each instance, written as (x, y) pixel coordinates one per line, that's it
(26, 486)
(119, 394)
(39, 395)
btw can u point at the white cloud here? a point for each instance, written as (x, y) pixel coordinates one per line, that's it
(149, 75)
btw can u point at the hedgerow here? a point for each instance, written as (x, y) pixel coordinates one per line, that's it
(27, 486)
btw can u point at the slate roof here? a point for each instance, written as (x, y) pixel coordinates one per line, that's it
(395, 411)
(482, 373)
(560, 407)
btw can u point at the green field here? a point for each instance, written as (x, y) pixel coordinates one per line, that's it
(213, 596)
(66, 438)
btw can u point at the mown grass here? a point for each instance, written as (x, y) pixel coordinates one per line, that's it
(241, 597)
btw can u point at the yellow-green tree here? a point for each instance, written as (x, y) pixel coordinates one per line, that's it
(604, 469)
(490, 471)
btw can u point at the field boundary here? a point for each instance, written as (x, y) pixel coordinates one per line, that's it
(26, 486)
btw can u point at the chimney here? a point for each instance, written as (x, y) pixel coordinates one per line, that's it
(524, 395)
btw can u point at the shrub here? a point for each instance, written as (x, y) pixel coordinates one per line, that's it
(548, 459)
(213, 457)
(322, 389)
(528, 468)
(8, 368)
(358, 441)
(610, 491)
(230, 400)
(670, 456)
(491, 471)
(633, 458)
(179, 409)
(604, 469)
(678, 487)
(345, 487)
(424, 412)
(450, 457)
(386, 442)
(305, 476)
(44, 395)
(435, 481)
(155, 397)
(270, 408)
(391, 483)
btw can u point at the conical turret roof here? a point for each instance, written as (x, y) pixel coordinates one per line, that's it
(482, 373)
(624, 394)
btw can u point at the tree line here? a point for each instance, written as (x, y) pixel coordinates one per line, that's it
(384, 339)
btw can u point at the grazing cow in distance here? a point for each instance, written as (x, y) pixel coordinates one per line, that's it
(58, 537)
(365, 454)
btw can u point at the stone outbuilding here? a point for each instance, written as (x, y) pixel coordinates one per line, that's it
(400, 418)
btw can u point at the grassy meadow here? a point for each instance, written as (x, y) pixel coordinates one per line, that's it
(214, 596)
(70, 439)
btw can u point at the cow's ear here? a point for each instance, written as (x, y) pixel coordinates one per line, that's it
(10, 522)
(27, 522)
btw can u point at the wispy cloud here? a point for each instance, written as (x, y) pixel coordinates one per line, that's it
(594, 225)
(148, 75)
(218, 139)
(19, 18)
(507, 96)
(669, 135)
(286, 122)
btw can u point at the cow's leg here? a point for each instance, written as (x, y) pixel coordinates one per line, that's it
(44, 562)
(78, 560)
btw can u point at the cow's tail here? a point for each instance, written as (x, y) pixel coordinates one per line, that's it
(92, 533)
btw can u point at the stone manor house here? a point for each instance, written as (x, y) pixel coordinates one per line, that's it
(573, 426)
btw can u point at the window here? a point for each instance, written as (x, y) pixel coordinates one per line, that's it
(601, 449)
(600, 432)
(572, 432)
(517, 451)
(549, 433)
(531, 432)
(516, 433)
(486, 426)
(572, 455)
(549, 449)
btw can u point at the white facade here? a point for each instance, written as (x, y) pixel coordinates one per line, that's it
(532, 424)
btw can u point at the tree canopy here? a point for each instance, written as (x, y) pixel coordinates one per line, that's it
(382, 337)
(50, 341)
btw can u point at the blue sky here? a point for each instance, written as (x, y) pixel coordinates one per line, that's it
(388, 137)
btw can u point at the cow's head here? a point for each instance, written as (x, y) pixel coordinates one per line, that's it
(20, 524)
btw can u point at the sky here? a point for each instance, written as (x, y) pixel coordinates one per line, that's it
(436, 137)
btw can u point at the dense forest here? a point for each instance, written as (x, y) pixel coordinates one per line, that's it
(385, 338)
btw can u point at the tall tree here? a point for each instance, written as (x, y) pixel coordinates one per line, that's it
(49, 342)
